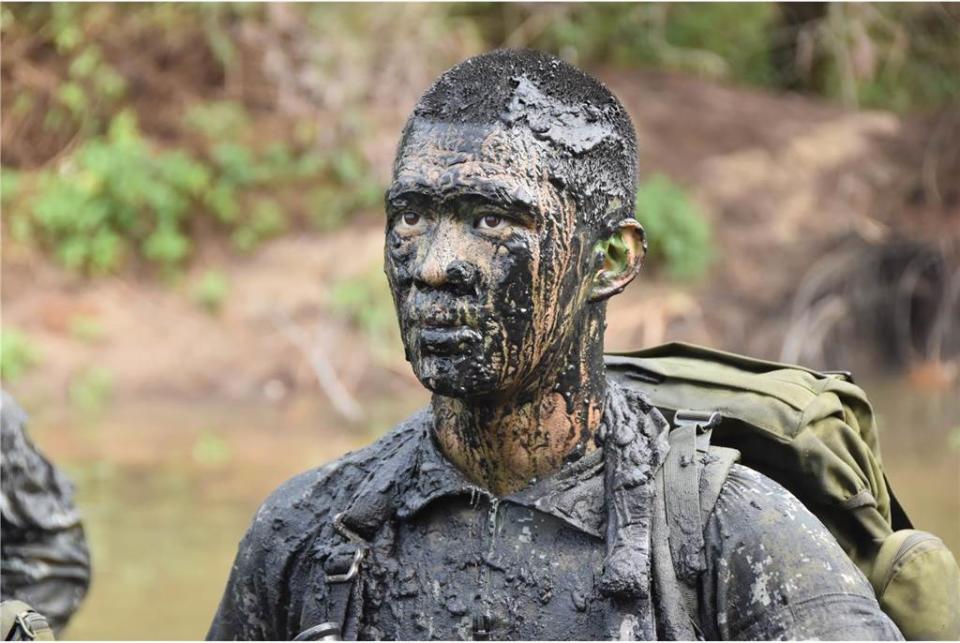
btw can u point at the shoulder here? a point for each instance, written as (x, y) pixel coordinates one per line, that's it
(755, 514)
(775, 571)
(746, 486)
(36, 495)
(274, 562)
(312, 498)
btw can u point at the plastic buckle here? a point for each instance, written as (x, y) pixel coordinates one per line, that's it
(24, 623)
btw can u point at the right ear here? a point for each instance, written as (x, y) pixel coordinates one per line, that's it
(623, 253)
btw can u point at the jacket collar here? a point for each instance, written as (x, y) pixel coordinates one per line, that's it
(573, 494)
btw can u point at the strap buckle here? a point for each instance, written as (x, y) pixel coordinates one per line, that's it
(27, 620)
(703, 420)
(362, 546)
(352, 571)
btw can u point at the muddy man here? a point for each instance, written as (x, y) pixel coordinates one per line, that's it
(520, 503)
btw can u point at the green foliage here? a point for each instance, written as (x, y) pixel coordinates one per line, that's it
(118, 197)
(210, 449)
(9, 185)
(327, 207)
(365, 301)
(898, 56)
(85, 328)
(90, 87)
(218, 120)
(265, 221)
(18, 354)
(211, 291)
(114, 197)
(350, 188)
(678, 235)
(91, 389)
(107, 194)
(719, 40)
(891, 56)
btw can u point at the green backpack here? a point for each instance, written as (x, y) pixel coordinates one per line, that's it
(814, 433)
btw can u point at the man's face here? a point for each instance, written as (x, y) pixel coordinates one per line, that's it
(489, 269)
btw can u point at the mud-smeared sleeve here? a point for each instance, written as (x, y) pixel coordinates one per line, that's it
(45, 561)
(258, 602)
(244, 611)
(774, 572)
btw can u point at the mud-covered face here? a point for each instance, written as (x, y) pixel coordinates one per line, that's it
(489, 269)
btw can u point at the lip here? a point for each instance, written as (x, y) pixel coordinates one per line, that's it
(447, 340)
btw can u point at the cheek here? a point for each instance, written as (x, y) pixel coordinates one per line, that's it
(512, 268)
(558, 275)
(399, 260)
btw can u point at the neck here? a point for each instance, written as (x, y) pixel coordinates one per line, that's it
(502, 444)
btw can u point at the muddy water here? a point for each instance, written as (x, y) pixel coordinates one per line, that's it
(168, 489)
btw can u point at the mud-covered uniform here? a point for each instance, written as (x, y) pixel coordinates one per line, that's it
(45, 562)
(454, 562)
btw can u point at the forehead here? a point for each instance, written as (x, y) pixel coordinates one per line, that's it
(444, 160)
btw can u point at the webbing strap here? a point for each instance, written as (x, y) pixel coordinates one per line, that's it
(683, 503)
(344, 594)
(677, 605)
(681, 473)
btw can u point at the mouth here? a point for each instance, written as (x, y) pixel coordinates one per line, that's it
(447, 340)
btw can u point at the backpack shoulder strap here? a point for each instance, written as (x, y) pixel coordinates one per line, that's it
(690, 481)
(368, 511)
(689, 443)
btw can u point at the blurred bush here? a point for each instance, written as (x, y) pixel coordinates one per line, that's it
(887, 56)
(211, 290)
(365, 302)
(678, 234)
(86, 328)
(18, 354)
(91, 389)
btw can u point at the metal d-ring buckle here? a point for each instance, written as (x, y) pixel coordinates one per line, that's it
(358, 556)
(354, 568)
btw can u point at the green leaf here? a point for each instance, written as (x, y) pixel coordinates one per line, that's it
(18, 354)
(73, 96)
(166, 246)
(678, 235)
(211, 291)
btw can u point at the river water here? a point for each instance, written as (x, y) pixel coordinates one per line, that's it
(167, 489)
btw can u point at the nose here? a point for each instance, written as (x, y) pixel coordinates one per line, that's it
(455, 274)
(443, 268)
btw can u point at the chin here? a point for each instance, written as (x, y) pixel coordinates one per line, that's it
(458, 376)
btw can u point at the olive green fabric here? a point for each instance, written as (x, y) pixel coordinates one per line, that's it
(912, 579)
(815, 434)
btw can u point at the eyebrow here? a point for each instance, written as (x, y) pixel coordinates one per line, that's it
(490, 193)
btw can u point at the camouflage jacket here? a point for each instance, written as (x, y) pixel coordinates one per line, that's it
(45, 561)
(450, 561)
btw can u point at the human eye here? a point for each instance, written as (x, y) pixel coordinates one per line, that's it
(489, 222)
(409, 222)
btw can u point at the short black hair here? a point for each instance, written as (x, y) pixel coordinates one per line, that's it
(596, 145)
